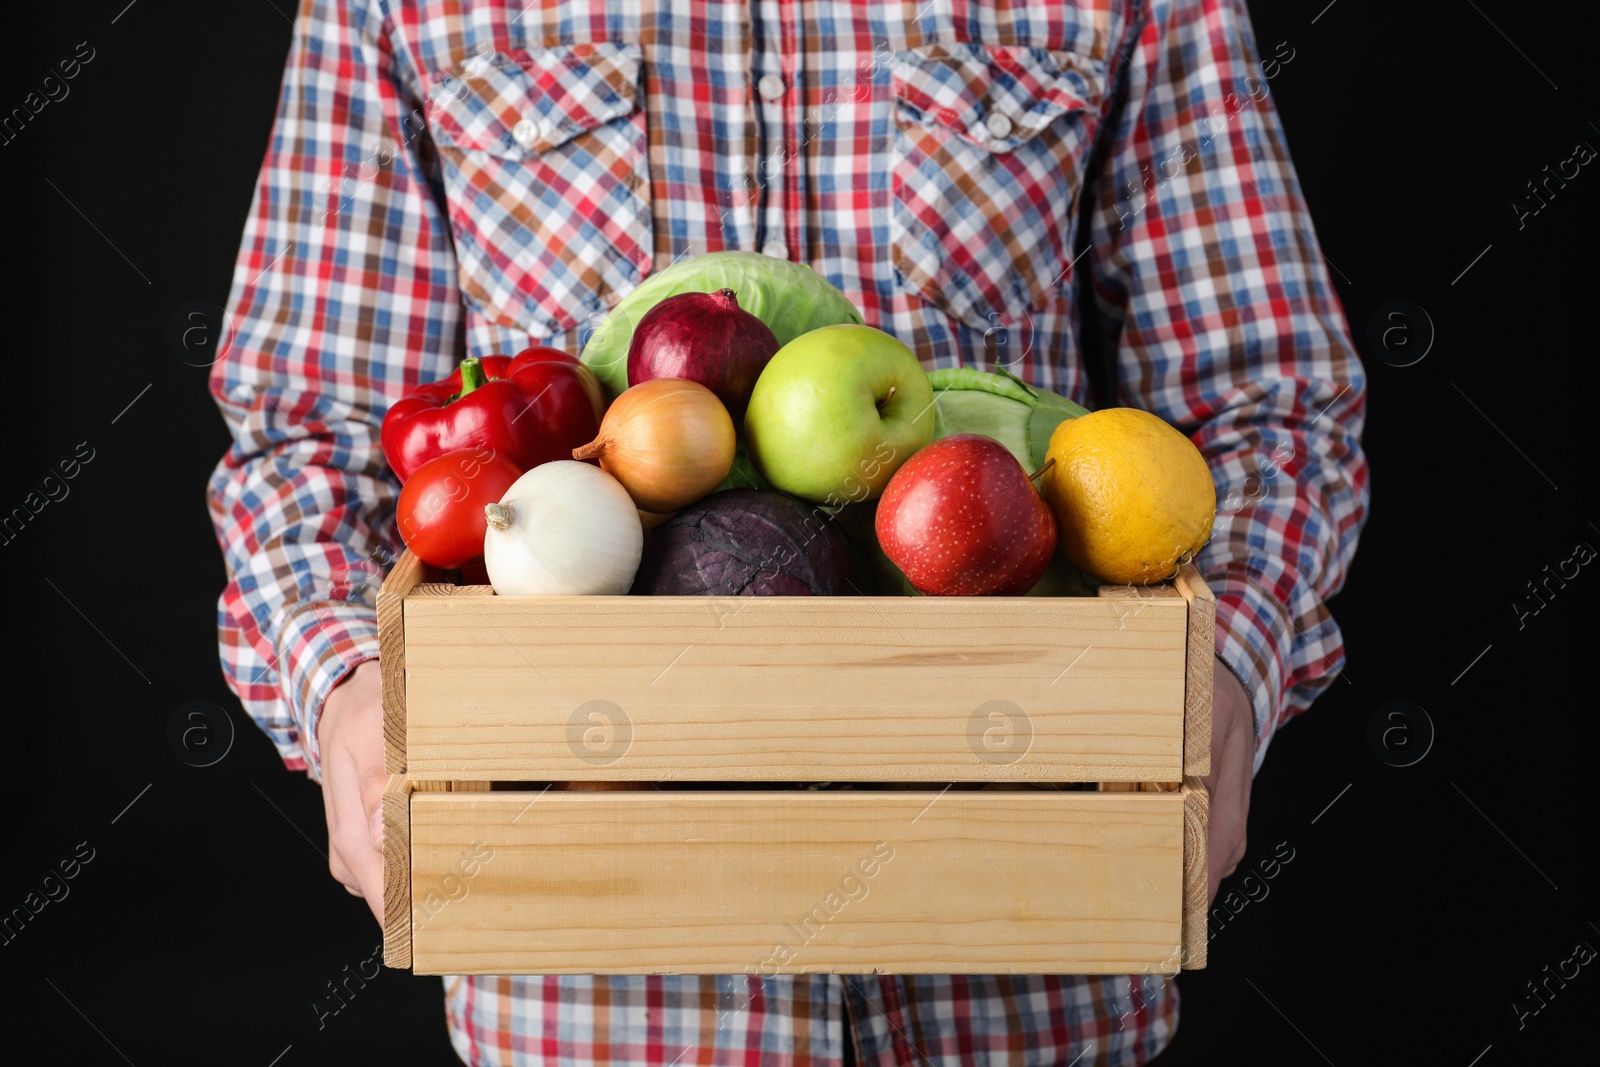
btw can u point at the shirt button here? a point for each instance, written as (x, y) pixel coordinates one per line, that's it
(770, 87)
(526, 133)
(775, 249)
(998, 125)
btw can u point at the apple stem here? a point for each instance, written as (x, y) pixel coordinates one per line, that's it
(885, 401)
(1047, 465)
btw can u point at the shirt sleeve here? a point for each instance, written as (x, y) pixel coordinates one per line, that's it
(343, 298)
(1213, 292)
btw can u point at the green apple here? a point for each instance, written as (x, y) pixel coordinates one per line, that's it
(835, 413)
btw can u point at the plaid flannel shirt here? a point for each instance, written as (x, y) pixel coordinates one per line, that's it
(1019, 184)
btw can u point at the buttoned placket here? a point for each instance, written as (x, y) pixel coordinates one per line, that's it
(779, 173)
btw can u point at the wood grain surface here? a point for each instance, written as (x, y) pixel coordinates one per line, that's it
(402, 578)
(653, 881)
(1199, 670)
(796, 688)
(1196, 831)
(396, 808)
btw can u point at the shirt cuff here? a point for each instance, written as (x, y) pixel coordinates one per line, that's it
(318, 645)
(1254, 638)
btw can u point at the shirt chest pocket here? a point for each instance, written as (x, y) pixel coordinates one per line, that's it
(990, 145)
(545, 161)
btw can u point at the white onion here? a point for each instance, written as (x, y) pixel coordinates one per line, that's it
(563, 528)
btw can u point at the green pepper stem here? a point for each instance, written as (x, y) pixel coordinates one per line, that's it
(472, 375)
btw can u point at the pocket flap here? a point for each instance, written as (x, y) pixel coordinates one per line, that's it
(526, 102)
(995, 97)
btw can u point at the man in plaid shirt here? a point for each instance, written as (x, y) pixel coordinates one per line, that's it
(1038, 185)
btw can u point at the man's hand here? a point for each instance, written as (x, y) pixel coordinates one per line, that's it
(1233, 752)
(350, 735)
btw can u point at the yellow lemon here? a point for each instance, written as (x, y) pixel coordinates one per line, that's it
(1133, 497)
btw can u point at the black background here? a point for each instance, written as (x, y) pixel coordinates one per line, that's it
(1416, 906)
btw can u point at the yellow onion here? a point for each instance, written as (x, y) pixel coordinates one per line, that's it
(651, 519)
(669, 441)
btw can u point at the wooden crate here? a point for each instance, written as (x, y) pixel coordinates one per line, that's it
(954, 722)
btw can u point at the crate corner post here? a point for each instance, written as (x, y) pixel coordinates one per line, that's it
(396, 808)
(1199, 670)
(1196, 831)
(402, 578)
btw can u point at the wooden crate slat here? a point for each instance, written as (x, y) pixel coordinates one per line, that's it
(685, 882)
(1196, 830)
(396, 809)
(1200, 670)
(1137, 592)
(403, 577)
(795, 688)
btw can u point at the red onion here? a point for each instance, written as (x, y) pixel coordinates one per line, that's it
(706, 338)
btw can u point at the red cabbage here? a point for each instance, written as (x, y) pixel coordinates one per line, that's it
(750, 542)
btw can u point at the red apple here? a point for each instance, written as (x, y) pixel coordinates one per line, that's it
(961, 518)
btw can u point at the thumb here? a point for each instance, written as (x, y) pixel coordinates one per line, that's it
(372, 784)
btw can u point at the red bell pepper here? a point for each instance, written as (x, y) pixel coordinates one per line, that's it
(533, 408)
